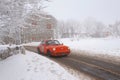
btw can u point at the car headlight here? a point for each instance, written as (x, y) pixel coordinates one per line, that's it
(68, 48)
(54, 49)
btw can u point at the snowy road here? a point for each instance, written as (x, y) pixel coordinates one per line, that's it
(94, 68)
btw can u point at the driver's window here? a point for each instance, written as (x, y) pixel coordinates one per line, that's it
(48, 42)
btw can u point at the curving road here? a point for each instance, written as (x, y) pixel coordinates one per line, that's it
(95, 68)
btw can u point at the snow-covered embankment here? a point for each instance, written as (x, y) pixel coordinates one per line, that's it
(32, 66)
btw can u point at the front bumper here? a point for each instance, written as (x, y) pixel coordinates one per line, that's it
(60, 53)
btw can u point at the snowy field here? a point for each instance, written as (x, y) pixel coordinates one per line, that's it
(32, 66)
(102, 45)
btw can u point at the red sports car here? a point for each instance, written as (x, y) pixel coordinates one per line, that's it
(53, 48)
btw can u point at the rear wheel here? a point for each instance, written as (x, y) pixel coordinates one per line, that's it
(49, 53)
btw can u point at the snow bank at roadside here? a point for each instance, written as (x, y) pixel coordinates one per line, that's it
(32, 66)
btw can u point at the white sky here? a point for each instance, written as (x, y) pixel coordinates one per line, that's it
(107, 11)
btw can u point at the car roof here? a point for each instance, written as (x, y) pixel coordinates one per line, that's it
(50, 40)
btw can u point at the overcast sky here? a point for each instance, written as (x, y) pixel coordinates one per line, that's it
(106, 11)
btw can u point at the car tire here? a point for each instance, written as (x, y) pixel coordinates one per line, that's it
(49, 53)
(38, 50)
(65, 55)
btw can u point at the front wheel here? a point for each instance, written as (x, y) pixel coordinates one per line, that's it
(49, 53)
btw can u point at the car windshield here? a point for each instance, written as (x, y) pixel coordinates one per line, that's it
(53, 42)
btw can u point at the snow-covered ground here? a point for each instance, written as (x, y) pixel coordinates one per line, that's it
(32, 66)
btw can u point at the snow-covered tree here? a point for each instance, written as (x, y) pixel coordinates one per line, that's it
(12, 13)
(93, 28)
(68, 29)
(89, 28)
(116, 28)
